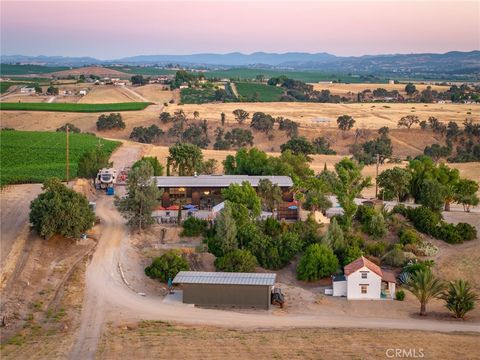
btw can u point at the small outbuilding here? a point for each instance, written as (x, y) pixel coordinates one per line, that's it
(243, 290)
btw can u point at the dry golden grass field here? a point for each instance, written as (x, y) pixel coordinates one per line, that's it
(168, 341)
(342, 89)
(154, 93)
(107, 94)
(367, 115)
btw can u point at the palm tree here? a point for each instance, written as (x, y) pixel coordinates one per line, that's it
(425, 286)
(459, 298)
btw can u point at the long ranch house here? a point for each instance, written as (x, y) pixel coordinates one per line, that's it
(203, 193)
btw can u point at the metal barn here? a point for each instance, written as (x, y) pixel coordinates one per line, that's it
(243, 290)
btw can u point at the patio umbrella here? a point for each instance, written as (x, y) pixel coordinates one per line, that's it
(188, 207)
(293, 207)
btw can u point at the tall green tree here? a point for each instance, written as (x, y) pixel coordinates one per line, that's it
(225, 239)
(466, 193)
(243, 195)
(141, 199)
(334, 237)
(448, 178)
(425, 286)
(270, 193)
(394, 184)
(345, 122)
(349, 185)
(59, 210)
(153, 161)
(91, 161)
(420, 168)
(185, 159)
(459, 298)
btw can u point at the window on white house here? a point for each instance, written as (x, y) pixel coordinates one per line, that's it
(363, 289)
(364, 275)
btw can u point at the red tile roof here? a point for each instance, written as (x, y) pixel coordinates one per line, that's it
(389, 276)
(360, 263)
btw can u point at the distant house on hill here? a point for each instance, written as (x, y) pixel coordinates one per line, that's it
(27, 90)
(364, 280)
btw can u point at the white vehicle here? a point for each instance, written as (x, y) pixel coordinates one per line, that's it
(106, 178)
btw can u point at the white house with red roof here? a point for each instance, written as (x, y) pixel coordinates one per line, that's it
(364, 280)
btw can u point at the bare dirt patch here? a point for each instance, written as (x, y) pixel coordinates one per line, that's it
(164, 340)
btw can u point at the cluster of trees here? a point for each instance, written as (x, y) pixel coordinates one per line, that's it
(91, 161)
(296, 90)
(146, 135)
(138, 80)
(255, 162)
(187, 159)
(235, 138)
(300, 145)
(111, 121)
(240, 241)
(368, 151)
(434, 186)
(467, 140)
(184, 130)
(182, 77)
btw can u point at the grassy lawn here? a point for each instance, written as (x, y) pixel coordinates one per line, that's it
(197, 96)
(11, 69)
(32, 156)
(266, 93)
(73, 107)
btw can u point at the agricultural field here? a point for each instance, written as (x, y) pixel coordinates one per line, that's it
(197, 96)
(11, 69)
(143, 70)
(155, 92)
(91, 70)
(263, 93)
(74, 107)
(32, 157)
(343, 89)
(107, 95)
(305, 76)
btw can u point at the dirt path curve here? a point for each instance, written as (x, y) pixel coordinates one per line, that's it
(134, 93)
(233, 86)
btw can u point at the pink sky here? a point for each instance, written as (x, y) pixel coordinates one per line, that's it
(107, 29)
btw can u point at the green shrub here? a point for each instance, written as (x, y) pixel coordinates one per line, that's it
(395, 257)
(400, 295)
(317, 262)
(424, 219)
(236, 261)
(409, 236)
(466, 231)
(376, 248)
(418, 266)
(194, 227)
(375, 226)
(167, 266)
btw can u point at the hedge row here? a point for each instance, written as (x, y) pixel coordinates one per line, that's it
(431, 223)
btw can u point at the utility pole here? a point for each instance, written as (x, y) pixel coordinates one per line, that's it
(376, 177)
(68, 169)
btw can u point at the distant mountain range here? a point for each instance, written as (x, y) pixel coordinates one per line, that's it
(454, 62)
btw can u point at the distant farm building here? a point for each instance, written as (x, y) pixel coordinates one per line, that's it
(212, 289)
(82, 92)
(27, 90)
